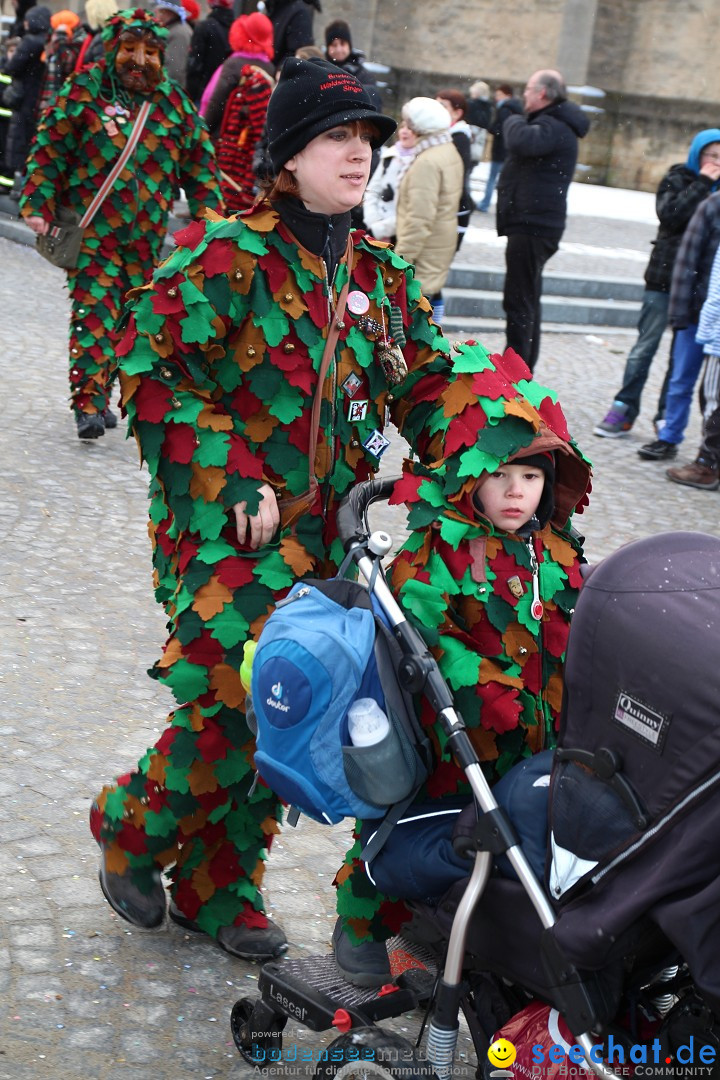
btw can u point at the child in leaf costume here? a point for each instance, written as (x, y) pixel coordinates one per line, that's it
(490, 587)
(77, 143)
(249, 453)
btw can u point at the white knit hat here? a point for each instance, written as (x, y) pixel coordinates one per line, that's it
(425, 116)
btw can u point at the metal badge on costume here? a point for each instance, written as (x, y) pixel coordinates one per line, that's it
(516, 586)
(376, 443)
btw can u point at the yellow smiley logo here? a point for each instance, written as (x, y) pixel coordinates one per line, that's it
(502, 1053)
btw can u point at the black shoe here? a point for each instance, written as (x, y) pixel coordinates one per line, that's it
(366, 964)
(247, 942)
(144, 910)
(111, 420)
(658, 450)
(90, 425)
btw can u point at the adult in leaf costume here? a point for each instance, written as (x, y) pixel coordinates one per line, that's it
(493, 605)
(77, 143)
(219, 369)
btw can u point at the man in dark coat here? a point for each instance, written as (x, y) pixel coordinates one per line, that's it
(292, 26)
(209, 47)
(542, 149)
(505, 105)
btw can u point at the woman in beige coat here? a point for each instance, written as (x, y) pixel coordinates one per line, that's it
(428, 198)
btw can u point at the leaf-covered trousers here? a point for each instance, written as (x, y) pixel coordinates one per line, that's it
(187, 807)
(107, 268)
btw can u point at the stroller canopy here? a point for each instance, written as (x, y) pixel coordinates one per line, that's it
(635, 791)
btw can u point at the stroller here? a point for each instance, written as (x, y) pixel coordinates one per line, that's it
(624, 939)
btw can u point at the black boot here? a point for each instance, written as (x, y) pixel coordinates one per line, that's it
(247, 942)
(90, 425)
(366, 964)
(111, 420)
(144, 910)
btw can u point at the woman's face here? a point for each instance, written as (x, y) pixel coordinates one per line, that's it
(332, 171)
(406, 136)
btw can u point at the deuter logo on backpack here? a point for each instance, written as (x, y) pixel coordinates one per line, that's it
(276, 701)
(316, 660)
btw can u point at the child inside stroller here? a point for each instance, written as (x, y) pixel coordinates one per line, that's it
(576, 937)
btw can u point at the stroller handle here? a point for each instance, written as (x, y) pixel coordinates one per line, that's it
(351, 523)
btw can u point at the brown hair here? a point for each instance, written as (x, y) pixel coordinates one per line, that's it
(455, 97)
(307, 52)
(286, 184)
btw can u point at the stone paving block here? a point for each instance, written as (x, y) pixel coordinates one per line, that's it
(20, 910)
(35, 961)
(38, 845)
(37, 935)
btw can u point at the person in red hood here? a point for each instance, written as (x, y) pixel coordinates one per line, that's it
(489, 576)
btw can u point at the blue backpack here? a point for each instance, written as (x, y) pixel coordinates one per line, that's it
(323, 646)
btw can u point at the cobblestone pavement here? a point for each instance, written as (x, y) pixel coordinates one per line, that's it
(82, 994)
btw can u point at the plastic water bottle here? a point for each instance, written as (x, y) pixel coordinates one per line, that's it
(367, 723)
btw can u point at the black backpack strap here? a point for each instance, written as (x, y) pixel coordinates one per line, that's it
(386, 826)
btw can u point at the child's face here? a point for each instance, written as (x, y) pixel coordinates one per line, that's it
(511, 495)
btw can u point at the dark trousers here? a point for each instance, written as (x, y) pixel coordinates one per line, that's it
(525, 257)
(651, 327)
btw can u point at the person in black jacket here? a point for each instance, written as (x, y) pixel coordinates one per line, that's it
(209, 47)
(505, 105)
(27, 69)
(679, 194)
(542, 149)
(17, 29)
(339, 49)
(292, 25)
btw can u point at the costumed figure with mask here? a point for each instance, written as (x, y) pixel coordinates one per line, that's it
(78, 141)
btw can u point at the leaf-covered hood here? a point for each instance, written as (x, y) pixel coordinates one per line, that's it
(490, 412)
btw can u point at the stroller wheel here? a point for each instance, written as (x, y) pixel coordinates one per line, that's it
(373, 1053)
(256, 1046)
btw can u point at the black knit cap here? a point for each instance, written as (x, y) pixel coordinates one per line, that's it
(313, 96)
(338, 29)
(545, 460)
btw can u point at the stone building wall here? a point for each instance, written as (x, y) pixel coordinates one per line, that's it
(656, 61)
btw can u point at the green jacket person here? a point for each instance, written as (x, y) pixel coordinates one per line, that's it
(219, 368)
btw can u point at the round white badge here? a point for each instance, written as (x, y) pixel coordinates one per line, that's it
(358, 303)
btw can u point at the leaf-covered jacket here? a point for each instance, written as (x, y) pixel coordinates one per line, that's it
(468, 586)
(79, 139)
(219, 368)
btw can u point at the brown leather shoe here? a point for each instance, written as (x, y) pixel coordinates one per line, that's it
(695, 475)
